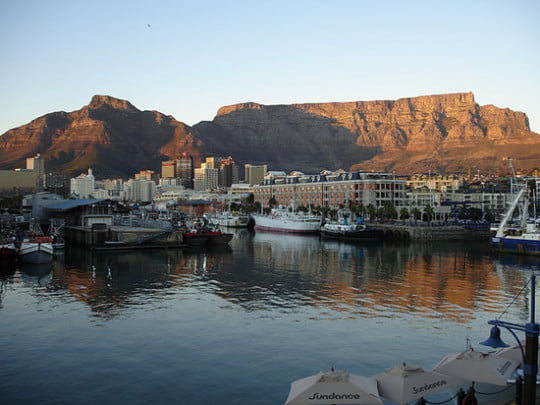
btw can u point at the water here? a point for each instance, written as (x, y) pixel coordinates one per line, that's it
(236, 325)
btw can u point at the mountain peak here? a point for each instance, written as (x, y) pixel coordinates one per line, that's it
(99, 101)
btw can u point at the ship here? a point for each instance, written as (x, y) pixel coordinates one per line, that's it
(282, 220)
(358, 231)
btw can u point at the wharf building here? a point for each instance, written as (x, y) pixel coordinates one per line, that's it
(333, 190)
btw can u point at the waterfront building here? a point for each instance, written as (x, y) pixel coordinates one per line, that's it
(254, 174)
(435, 182)
(333, 191)
(33, 205)
(83, 185)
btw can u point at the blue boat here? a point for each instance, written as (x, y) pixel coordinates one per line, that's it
(522, 238)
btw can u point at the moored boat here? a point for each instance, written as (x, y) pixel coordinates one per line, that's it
(358, 231)
(36, 250)
(231, 220)
(281, 220)
(523, 238)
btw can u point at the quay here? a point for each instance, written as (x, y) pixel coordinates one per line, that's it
(444, 232)
(112, 237)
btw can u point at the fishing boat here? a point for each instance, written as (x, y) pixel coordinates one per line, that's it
(343, 229)
(282, 220)
(36, 250)
(200, 232)
(522, 237)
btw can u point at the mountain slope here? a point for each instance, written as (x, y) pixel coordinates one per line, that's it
(448, 133)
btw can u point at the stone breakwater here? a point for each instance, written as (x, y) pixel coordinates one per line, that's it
(401, 232)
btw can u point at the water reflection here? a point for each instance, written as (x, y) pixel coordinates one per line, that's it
(275, 272)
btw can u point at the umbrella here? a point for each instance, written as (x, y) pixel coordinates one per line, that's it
(334, 387)
(405, 383)
(513, 353)
(478, 367)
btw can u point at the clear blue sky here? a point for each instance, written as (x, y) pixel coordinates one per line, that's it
(188, 58)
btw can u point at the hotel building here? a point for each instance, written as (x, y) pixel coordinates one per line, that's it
(333, 190)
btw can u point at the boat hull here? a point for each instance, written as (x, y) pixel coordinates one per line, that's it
(34, 252)
(518, 245)
(287, 225)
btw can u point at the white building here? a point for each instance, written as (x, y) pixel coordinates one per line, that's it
(206, 178)
(140, 190)
(82, 186)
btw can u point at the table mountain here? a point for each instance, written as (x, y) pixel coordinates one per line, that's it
(447, 133)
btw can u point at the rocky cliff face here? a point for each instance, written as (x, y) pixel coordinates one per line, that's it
(443, 133)
(109, 135)
(447, 133)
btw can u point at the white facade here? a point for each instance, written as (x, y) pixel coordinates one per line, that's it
(206, 178)
(140, 190)
(82, 186)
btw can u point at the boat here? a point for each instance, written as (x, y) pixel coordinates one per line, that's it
(231, 220)
(523, 237)
(358, 231)
(200, 233)
(8, 251)
(282, 220)
(36, 250)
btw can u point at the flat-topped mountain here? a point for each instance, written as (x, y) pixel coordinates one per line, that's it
(447, 133)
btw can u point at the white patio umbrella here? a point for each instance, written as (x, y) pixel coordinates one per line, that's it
(334, 387)
(478, 367)
(407, 382)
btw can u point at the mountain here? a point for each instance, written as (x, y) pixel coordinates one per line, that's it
(109, 135)
(448, 133)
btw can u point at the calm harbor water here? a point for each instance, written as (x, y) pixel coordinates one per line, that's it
(236, 325)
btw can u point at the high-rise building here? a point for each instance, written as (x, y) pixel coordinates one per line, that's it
(185, 170)
(168, 169)
(206, 177)
(254, 174)
(37, 164)
(228, 173)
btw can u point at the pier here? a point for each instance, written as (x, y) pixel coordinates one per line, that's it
(406, 232)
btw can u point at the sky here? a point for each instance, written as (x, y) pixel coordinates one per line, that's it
(189, 58)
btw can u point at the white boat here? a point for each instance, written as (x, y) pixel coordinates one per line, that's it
(38, 250)
(523, 238)
(342, 229)
(282, 220)
(231, 220)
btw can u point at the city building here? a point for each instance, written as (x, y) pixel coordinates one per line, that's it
(140, 190)
(435, 182)
(168, 169)
(228, 172)
(82, 186)
(333, 191)
(254, 174)
(185, 170)
(37, 164)
(147, 175)
(206, 177)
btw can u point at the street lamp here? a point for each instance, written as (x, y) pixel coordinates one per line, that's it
(530, 354)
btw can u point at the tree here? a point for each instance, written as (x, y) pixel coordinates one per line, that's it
(404, 214)
(428, 213)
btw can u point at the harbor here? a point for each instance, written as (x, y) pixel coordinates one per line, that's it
(251, 316)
